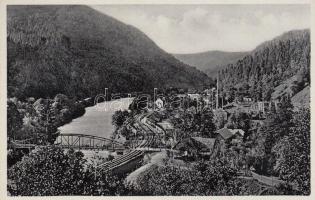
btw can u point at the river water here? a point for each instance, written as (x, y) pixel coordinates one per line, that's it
(97, 119)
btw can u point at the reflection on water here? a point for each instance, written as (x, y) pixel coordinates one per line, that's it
(97, 120)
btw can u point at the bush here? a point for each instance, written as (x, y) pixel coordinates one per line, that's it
(79, 110)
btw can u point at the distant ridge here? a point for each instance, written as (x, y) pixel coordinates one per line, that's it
(210, 62)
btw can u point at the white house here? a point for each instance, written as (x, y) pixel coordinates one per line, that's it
(159, 103)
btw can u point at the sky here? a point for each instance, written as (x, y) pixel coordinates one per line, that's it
(199, 28)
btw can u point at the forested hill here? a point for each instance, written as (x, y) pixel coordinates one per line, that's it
(78, 51)
(275, 68)
(210, 62)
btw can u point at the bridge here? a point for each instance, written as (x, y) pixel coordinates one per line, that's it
(90, 142)
(74, 141)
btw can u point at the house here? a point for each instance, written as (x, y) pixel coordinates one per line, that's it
(159, 103)
(247, 99)
(237, 132)
(166, 126)
(196, 146)
(194, 96)
(230, 135)
(181, 95)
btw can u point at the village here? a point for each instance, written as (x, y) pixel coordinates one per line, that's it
(158, 100)
(198, 126)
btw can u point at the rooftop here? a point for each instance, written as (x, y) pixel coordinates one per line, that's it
(166, 125)
(207, 142)
(196, 144)
(227, 133)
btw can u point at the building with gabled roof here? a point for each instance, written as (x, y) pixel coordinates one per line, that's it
(196, 146)
(166, 125)
(228, 134)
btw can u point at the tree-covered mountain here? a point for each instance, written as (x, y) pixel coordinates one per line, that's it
(276, 68)
(210, 62)
(78, 51)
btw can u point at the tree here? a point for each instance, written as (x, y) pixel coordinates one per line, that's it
(293, 153)
(183, 124)
(14, 120)
(276, 126)
(48, 171)
(119, 117)
(51, 171)
(207, 127)
(239, 120)
(206, 178)
(220, 119)
(47, 122)
(270, 65)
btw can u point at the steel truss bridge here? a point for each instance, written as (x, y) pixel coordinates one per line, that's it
(90, 142)
(83, 141)
(75, 141)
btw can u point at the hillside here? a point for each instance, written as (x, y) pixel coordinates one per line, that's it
(302, 98)
(78, 51)
(210, 62)
(276, 68)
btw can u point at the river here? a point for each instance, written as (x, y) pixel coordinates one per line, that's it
(97, 119)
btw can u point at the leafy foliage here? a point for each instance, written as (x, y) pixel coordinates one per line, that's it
(239, 120)
(276, 126)
(41, 118)
(204, 120)
(14, 119)
(282, 148)
(50, 171)
(37, 121)
(293, 153)
(207, 178)
(193, 122)
(119, 117)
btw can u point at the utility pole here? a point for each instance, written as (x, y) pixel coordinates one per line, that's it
(212, 97)
(106, 89)
(217, 103)
(154, 98)
(222, 100)
(211, 100)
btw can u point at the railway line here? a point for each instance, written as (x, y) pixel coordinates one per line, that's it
(133, 154)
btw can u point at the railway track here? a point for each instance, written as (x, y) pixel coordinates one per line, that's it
(134, 154)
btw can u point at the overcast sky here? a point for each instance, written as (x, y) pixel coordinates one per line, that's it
(198, 28)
